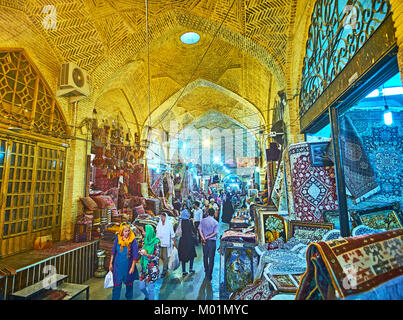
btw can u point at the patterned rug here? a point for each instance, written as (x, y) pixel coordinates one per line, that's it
(259, 290)
(384, 146)
(276, 193)
(352, 265)
(287, 187)
(59, 247)
(238, 236)
(314, 188)
(157, 185)
(358, 172)
(51, 295)
(284, 283)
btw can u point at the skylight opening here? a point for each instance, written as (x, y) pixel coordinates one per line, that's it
(190, 37)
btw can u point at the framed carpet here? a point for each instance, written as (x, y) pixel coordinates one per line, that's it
(308, 232)
(332, 216)
(317, 152)
(387, 217)
(271, 227)
(257, 211)
(238, 262)
(283, 283)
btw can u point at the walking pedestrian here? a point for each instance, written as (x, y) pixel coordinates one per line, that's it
(189, 203)
(216, 208)
(187, 242)
(165, 233)
(150, 256)
(227, 210)
(197, 216)
(123, 262)
(208, 229)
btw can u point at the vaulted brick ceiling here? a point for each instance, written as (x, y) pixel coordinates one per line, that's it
(108, 39)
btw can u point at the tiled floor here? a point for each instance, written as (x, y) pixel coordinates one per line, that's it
(173, 286)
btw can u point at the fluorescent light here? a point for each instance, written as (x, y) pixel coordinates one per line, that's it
(387, 117)
(373, 94)
(392, 91)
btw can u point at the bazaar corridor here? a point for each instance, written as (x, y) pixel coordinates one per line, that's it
(174, 286)
(143, 140)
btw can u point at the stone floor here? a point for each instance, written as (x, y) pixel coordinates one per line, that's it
(173, 286)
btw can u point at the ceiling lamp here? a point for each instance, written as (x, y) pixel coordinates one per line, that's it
(206, 143)
(190, 37)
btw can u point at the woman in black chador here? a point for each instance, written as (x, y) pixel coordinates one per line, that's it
(227, 210)
(187, 242)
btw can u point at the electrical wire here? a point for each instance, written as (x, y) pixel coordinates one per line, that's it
(201, 60)
(148, 67)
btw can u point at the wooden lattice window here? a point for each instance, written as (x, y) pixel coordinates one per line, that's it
(31, 172)
(26, 100)
(31, 186)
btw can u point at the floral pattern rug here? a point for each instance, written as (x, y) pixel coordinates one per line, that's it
(314, 188)
(384, 145)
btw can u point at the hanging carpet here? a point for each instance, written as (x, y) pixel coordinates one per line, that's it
(314, 188)
(358, 172)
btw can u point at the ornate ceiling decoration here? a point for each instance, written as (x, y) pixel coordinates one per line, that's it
(108, 39)
(89, 32)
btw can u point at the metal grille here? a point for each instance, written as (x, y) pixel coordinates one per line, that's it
(339, 28)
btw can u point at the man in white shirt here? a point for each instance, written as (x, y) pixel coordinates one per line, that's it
(197, 217)
(166, 234)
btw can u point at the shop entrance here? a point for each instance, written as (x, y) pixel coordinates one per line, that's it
(31, 182)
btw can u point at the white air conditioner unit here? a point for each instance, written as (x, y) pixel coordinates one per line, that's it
(74, 81)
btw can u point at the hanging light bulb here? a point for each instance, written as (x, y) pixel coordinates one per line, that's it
(387, 116)
(206, 143)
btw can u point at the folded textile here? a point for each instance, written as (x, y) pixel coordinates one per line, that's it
(259, 290)
(390, 290)
(351, 266)
(238, 236)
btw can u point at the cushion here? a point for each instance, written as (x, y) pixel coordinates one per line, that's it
(89, 203)
(101, 203)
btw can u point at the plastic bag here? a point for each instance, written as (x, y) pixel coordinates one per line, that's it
(108, 280)
(173, 262)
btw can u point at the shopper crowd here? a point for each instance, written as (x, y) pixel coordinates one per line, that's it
(198, 225)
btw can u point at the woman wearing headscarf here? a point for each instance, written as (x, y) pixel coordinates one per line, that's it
(187, 242)
(150, 257)
(227, 210)
(123, 262)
